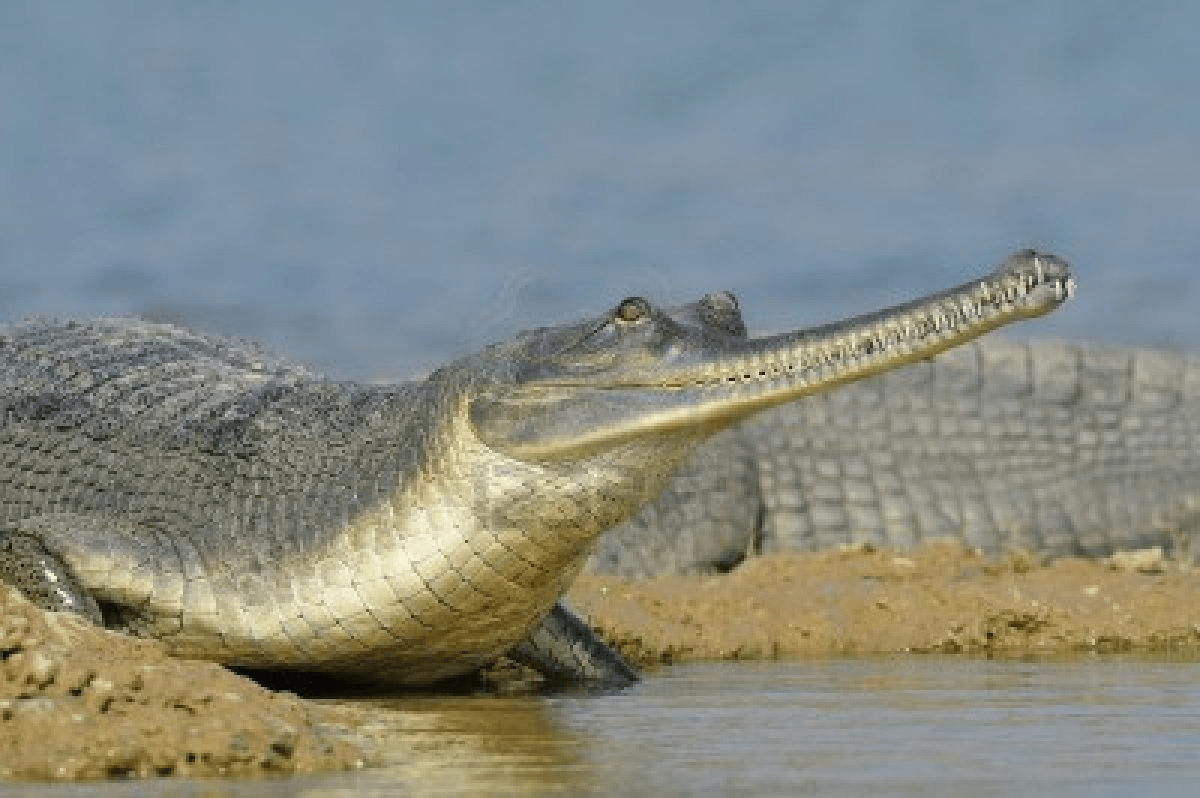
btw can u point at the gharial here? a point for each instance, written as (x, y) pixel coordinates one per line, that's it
(243, 509)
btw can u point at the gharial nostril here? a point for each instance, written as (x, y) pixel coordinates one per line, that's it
(721, 300)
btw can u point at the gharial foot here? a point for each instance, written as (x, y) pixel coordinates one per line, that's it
(564, 648)
(43, 578)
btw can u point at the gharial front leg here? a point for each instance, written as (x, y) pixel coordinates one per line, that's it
(28, 564)
(564, 648)
(104, 568)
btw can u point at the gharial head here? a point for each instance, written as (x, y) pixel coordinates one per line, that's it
(637, 371)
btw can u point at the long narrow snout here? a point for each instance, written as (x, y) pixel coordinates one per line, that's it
(1027, 285)
(710, 387)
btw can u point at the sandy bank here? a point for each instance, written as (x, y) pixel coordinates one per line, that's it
(77, 702)
(938, 598)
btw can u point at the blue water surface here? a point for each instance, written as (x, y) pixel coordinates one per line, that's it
(378, 187)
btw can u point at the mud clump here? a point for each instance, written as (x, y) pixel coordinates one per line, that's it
(939, 598)
(77, 702)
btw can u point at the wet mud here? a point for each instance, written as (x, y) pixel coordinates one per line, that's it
(77, 702)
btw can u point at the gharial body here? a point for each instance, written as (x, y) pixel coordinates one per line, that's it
(1047, 448)
(243, 509)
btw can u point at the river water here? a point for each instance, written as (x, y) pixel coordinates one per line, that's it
(912, 725)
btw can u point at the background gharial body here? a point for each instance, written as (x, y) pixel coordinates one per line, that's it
(1043, 448)
(243, 509)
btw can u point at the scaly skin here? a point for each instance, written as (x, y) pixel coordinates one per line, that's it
(1044, 447)
(242, 509)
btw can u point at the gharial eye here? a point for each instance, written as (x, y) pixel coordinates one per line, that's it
(633, 309)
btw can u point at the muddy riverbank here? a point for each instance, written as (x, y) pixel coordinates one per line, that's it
(939, 598)
(80, 703)
(77, 702)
